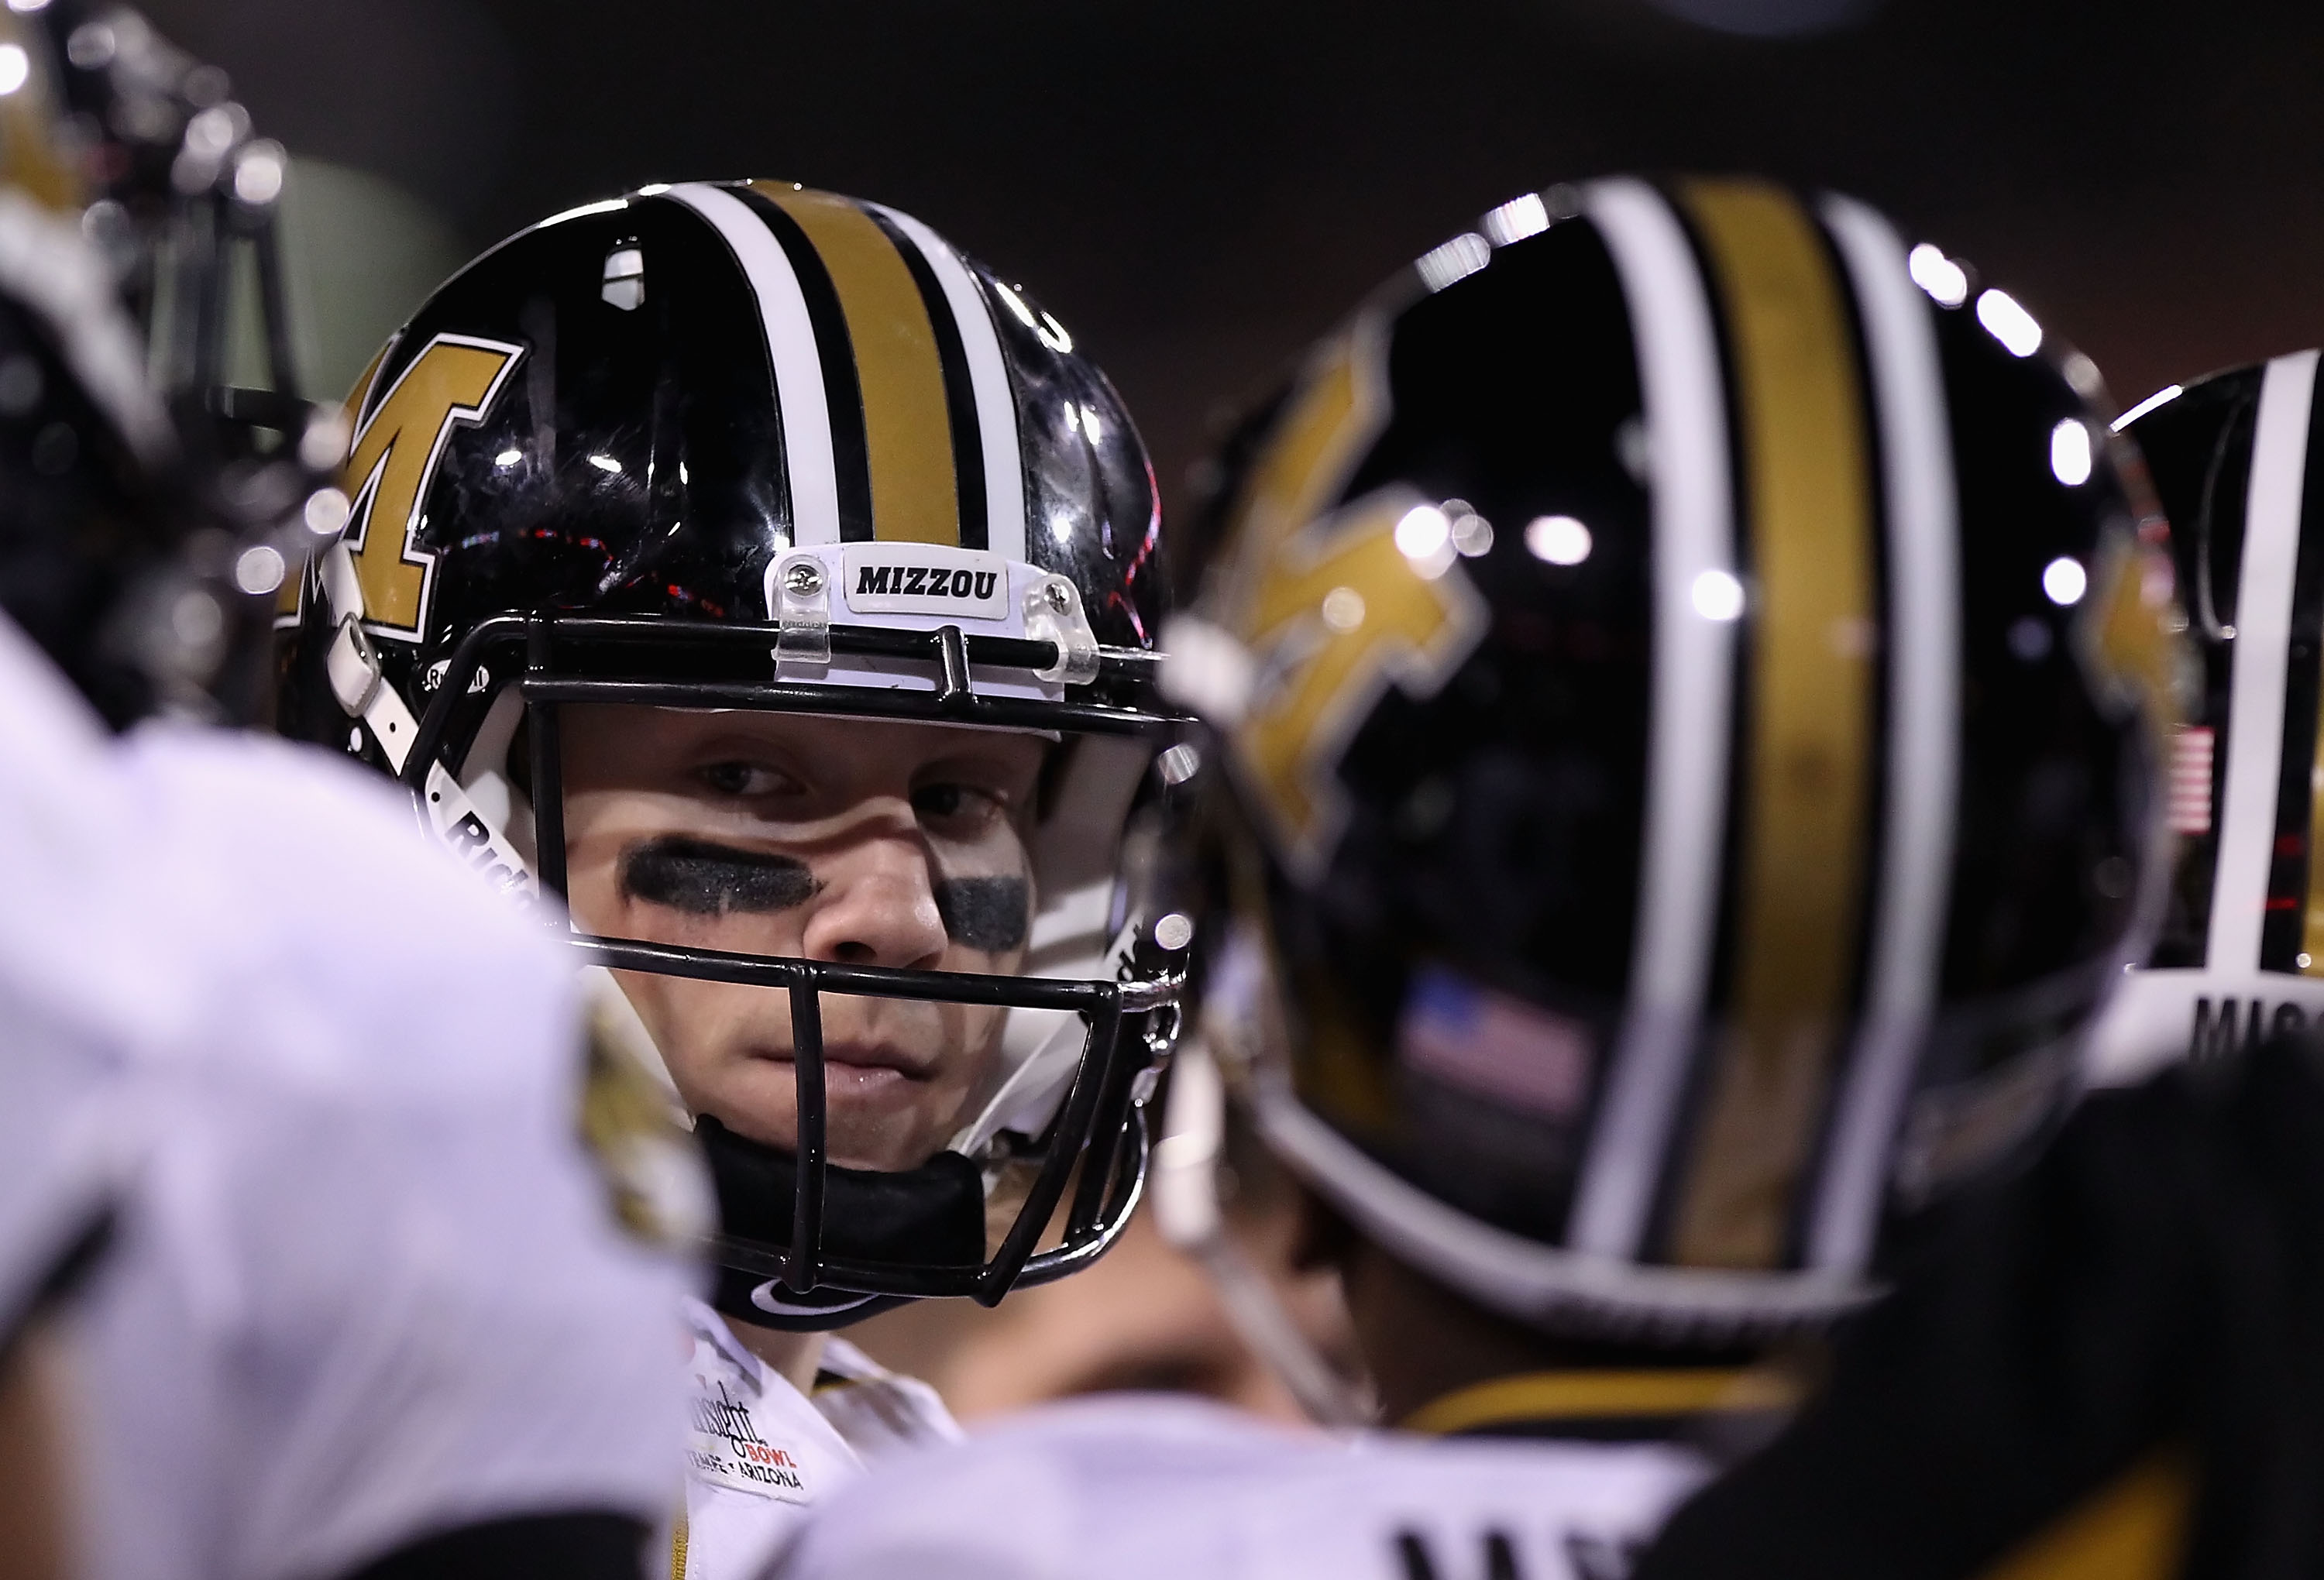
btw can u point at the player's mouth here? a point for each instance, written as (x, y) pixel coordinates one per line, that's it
(862, 1070)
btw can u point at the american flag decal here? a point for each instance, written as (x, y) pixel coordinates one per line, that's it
(1494, 1046)
(2191, 779)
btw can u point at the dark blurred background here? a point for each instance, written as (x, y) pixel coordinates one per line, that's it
(1198, 187)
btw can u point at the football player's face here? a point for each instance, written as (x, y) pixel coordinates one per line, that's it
(866, 843)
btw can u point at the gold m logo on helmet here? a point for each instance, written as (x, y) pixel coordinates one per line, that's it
(454, 380)
(1327, 605)
(2130, 629)
(1335, 615)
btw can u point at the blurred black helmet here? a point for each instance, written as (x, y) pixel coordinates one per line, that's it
(2240, 956)
(757, 447)
(146, 526)
(1691, 677)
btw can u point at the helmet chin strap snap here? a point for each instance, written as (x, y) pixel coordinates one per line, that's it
(353, 667)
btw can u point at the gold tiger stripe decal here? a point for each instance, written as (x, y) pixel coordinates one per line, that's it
(1332, 613)
(1340, 408)
(1326, 603)
(453, 380)
(906, 425)
(1807, 773)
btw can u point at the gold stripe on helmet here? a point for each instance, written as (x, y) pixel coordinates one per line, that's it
(907, 426)
(1807, 765)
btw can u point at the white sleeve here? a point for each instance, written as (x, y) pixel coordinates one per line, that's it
(1032, 1498)
(1149, 1488)
(58, 1176)
(376, 1289)
(64, 1006)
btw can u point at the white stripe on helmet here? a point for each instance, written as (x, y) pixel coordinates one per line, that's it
(2263, 638)
(791, 348)
(1687, 758)
(1924, 767)
(996, 404)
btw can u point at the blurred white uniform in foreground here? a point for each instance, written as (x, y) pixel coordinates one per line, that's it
(1168, 1488)
(57, 1170)
(368, 1286)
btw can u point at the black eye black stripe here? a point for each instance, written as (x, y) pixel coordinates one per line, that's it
(987, 913)
(706, 879)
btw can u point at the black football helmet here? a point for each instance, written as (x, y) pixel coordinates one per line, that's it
(1691, 677)
(181, 195)
(148, 526)
(2240, 957)
(751, 446)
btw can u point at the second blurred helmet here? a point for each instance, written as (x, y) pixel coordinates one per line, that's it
(1692, 704)
(2241, 953)
(151, 512)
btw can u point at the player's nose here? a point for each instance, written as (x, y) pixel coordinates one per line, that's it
(877, 905)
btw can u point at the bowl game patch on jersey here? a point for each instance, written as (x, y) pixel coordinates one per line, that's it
(759, 1452)
(749, 1431)
(729, 1450)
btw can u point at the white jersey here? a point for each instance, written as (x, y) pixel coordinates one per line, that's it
(1157, 1488)
(59, 1167)
(761, 1452)
(54, 1190)
(368, 1286)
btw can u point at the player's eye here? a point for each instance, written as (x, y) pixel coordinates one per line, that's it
(959, 808)
(744, 778)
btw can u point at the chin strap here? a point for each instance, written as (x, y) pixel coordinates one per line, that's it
(357, 679)
(1186, 1196)
(359, 683)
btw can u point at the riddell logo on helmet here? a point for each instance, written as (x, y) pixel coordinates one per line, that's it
(919, 578)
